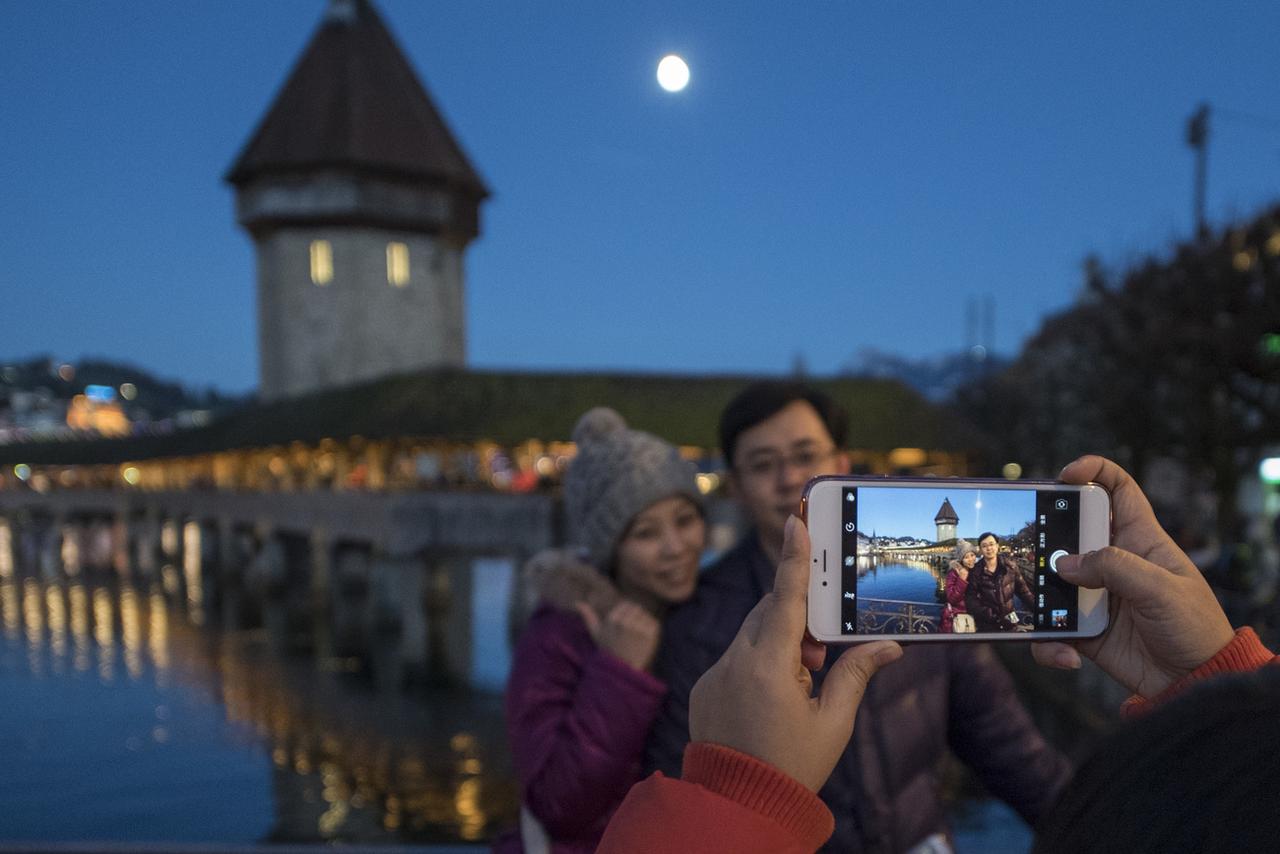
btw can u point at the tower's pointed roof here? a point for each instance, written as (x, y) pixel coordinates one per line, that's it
(946, 513)
(354, 102)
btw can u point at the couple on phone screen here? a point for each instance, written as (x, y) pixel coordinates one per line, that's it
(980, 587)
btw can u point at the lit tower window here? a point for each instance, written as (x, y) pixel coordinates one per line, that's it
(397, 264)
(321, 262)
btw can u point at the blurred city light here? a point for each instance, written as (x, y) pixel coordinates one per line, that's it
(907, 458)
(1269, 470)
(1011, 471)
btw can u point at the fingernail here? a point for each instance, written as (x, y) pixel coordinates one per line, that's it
(887, 653)
(1070, 464)
(1067, 565)
(790, 526)
(1067, 659)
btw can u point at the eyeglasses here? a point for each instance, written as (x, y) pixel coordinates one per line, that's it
(769, 466)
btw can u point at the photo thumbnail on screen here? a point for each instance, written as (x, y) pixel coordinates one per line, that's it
(926, 560)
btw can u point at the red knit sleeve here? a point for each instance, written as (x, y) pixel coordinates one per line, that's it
(726, 802)
(1243, 654)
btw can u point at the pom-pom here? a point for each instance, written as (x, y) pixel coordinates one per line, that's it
(596, 424)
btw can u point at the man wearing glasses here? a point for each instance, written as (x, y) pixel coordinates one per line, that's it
(885, 793)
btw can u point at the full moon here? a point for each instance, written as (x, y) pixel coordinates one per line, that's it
(673, 73)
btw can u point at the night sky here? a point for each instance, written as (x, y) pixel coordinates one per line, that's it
(903, 512)
(837, 176)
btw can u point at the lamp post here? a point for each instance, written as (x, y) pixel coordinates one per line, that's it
(1198, 140)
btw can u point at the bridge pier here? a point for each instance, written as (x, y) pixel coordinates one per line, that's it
(120, 545)
(349, 594)
(146, 541)
(449, 608)
(396, 629)
(292, 594)
(50, 545)
(320, 604)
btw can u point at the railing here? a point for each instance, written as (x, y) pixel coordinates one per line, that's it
(900, 617)
(897, 617)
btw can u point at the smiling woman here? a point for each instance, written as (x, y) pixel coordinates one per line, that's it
(582, 695)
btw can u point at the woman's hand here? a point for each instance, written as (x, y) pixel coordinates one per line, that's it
(628, 632)
(1164, 619)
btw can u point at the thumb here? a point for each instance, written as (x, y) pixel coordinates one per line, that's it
(589, 617)
(847, 681)
(1119, 571)
(1055, 654)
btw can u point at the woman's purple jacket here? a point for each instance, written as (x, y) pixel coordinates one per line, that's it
(577, 718)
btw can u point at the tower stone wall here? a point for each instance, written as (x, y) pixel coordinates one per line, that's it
(356, 326)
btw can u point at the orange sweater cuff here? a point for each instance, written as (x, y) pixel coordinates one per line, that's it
(759, 787)
(1243, 654)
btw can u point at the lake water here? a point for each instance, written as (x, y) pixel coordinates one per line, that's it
(120, 720)
(907, 581)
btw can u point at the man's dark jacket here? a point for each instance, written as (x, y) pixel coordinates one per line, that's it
(989, 596)
(884, 792)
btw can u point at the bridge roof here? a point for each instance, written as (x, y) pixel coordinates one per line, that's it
(511, 407)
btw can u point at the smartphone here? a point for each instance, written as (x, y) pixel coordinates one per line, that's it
(889, 558)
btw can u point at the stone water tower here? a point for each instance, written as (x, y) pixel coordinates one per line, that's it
(946, 520)
(360, 204)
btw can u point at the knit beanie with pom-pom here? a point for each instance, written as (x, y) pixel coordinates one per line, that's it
(617, 473)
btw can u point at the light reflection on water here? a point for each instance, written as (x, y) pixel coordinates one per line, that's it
(121, 720)
(899, 578)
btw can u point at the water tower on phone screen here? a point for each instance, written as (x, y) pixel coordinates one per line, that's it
(946, 520)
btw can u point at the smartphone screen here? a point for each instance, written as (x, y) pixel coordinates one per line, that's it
(931, 559)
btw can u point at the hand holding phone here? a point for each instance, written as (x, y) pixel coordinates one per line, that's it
(758, 698)
(924, 559)
(1165, 620)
